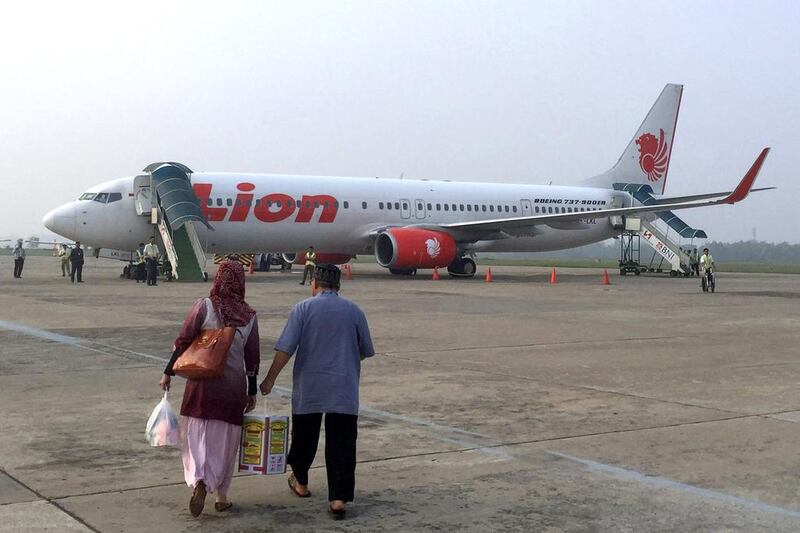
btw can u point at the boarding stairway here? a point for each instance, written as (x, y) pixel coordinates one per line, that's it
(665, 242)
(164, 193)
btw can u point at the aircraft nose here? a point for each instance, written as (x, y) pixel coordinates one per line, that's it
(61, 220)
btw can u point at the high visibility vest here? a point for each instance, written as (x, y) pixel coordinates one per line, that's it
(311, 259)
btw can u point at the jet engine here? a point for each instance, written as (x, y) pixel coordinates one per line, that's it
(412, 248)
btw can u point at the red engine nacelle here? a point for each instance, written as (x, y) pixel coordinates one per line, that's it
(334, 259)
(407, 248)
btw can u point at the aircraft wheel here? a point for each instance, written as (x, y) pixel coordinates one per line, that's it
(462, 267)
(637, 272)
(403, 271)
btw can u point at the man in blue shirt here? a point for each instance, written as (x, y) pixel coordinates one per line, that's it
(331, 337)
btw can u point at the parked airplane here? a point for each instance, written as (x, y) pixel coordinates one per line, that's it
(407, 224)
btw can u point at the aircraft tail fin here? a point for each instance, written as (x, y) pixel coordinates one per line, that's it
(646, 158)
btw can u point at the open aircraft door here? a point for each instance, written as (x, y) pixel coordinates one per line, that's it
(142, 195)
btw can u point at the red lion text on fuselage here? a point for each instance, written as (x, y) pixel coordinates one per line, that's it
(273, 207)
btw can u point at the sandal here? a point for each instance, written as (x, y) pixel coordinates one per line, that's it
(338, 514)
(221, 507)
(293, 486)
(198, 499)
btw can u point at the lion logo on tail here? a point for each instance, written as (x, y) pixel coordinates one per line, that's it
(653, 155)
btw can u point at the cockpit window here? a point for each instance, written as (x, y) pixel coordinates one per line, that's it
(87, 196)
(114, 197)
(101, 197)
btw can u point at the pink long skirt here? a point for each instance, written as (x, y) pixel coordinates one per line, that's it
(210, 452)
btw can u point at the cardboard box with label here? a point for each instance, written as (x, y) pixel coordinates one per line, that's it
(265, 443)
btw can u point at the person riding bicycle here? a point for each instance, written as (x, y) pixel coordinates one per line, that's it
(706, 261)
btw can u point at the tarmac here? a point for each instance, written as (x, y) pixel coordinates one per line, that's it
(516, 405)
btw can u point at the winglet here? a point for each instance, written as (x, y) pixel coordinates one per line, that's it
(743, 189)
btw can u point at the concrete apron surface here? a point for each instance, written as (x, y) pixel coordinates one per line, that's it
(517, 405)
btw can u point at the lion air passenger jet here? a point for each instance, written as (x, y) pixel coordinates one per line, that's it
(407, 224)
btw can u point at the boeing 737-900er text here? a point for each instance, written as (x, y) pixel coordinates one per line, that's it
(407, 224)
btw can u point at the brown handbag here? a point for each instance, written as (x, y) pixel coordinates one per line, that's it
(206, 356)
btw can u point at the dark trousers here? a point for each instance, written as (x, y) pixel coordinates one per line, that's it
(308, 272)
(76, 270)
(152, 271)
(18, 264)
(341, 432)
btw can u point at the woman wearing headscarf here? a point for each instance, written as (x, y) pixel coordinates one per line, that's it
(213, 408)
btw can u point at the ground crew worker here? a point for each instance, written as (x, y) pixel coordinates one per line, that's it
(63, 255)
(139, 268)
(19, 258)
(151, 259)
(76, 263)
(331, 338)
(311, 262)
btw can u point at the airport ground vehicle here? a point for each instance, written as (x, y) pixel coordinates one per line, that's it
(708, 281)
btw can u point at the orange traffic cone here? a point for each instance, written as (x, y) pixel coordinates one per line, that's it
(489, 275)
(605, 277)
(251, 269)
(435, 276)
(553, 277)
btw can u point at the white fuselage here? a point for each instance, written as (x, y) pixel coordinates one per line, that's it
(260, 212)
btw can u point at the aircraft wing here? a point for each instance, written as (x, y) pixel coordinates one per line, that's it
(562, 219)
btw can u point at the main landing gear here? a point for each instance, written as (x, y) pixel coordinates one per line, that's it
(462, 267)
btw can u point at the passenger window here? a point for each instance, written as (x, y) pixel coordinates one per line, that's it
(454, 207)
(419, 207)
(514, 208)
(316, 205)
(290, 203)
(327, 205)
(491, 208)
(389, 205)
(101, 197)
(506, 209)
(405, 205)
(476, 208)
(430, 207)
(239, 201)
(483, 208)
(397, 205)
(469, 207)
(277, 203)
(229, 202)
(308, 204)
(550, 209)
(249, 202)
(363, 205)
(537, 208)
(438, 207)
(269, 203)
(346, 204)
(219, 201)
(258, 202)
(461, 207)
(380, 205)
(446, 207)
(209, 202)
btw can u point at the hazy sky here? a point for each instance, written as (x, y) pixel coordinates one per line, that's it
(523, 92)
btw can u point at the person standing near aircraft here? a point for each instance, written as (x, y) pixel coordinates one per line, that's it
(76, 263)
(331, 338)
(63, 256)
(141, 264)
(19, 258)
(151, 259)
(311, 262)
(213, 408)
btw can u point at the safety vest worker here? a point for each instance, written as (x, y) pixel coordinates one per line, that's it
(311, 262)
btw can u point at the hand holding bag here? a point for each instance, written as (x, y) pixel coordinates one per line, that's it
(206, 356)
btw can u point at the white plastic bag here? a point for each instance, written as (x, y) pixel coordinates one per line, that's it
(162, 426)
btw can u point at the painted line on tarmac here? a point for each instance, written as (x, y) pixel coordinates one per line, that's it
(447, 434)
(662, 482)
